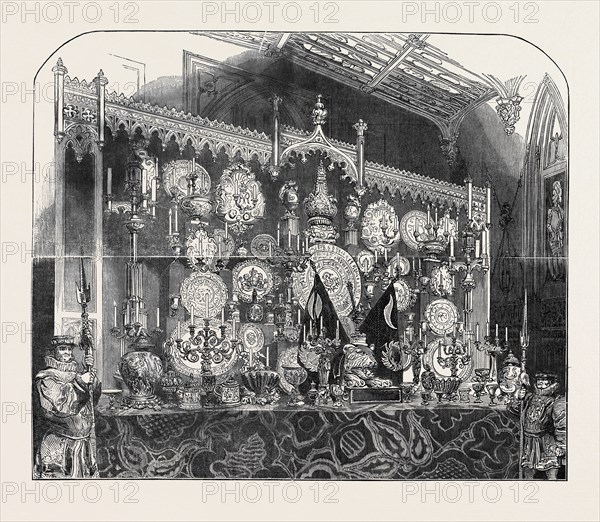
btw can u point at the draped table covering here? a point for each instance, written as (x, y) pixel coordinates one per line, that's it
(451, 441)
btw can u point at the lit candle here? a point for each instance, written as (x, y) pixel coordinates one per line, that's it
(306, 243)
(477, 332)
(321, 325)
(193, 164)
(487, 328)
(436, 215)
(477, 248)
(270, 250)
(157, 317)
(267, 354)
(484, 242)
(144, 181)
(452, 246)
(170, 221)
(206, 307)
(222, 315)
(127, 313)
(250, 357)
(109, 181)
(298, 242)
(469, 198)
(496, 329)
(226, 230)
(488, 203)
(176, 220)
(506, 334)
(337, 331)
(299, 318)
(289, 238)
(304, 332)
(420, 334)
(153, 188)
(385, 254)
(115, 314)
(375, 256)
(192, 313)
(278, 234)
(428, 214)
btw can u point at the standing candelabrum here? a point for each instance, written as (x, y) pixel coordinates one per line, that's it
(141, 183)
(435, 238)
(283, 317)
(492, 346)
(455, 356)
(416, 349)
(293, 256)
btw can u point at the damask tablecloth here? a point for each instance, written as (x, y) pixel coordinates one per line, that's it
(402, 442)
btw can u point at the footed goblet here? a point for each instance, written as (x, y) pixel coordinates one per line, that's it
(491, 388)
(295, 375)
(478, 389)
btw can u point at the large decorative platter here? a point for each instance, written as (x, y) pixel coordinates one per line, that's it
(434, 351)
(411, 222)
(187, 368)
(252, 337)
(441, 281)
(380, 226)
(405, 297)
(201, 287)
(252, 275)
(175, 178)
(441, 316)
(264, 246)
(365, 261)
(415, 221)
(336, 268)
(199, 245)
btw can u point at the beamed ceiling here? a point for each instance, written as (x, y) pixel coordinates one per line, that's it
(403, 69)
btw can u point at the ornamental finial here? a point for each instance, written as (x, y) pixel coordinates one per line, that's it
(319, 113)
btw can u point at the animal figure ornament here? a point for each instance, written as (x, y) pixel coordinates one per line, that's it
(359, 366)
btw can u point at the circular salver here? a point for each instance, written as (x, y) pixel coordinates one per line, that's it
(336, 269)
(441, 316)
(252, 337)
(200, 288)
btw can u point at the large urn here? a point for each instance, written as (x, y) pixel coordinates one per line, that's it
(141, 370)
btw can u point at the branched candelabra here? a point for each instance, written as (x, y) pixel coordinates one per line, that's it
(455, 356)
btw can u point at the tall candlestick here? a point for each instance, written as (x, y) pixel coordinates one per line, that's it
(109, 181)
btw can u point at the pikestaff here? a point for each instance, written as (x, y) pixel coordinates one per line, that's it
(87, 344)
(524, 378)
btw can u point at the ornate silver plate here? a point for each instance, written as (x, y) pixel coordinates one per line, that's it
(441, 316)
(336, 268)
(402, 263)
(380, 226)
(252, 275)
(187, 368)
(411, 222)
(405, 297)
(264, 246)
(441, 281)
(365, 261)
(252, 337)
(200, 288)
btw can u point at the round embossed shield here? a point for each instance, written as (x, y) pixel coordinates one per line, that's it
(252, 275)
(405, 297)
(206, 292)
(336, 268)
(411, 222)
(252, 337)
(441, 316)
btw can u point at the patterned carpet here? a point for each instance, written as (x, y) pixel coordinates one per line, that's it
(389, 443)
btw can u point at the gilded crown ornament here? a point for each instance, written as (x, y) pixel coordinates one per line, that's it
(321, 208)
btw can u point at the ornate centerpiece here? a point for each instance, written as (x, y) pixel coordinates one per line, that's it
(321, 208)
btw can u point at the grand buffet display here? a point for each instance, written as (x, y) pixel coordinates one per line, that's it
(275, 329)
